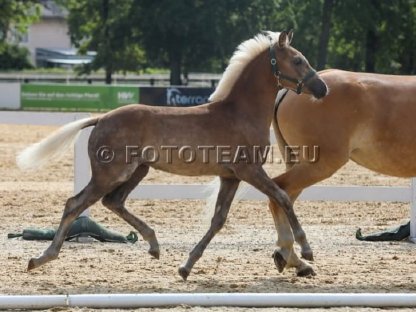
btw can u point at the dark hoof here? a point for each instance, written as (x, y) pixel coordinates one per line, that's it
(155, 254)
(307, 255)
(31, 265)
(279, 261)
(184, 272)
(308, 271)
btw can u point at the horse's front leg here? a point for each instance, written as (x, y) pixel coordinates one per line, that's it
(226, 194)
(298, 233)
(284, 217)
(284, 255)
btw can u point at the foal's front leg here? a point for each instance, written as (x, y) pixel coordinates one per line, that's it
(226, 194)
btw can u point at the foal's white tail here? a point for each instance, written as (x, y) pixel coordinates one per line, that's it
(211, 191)
(53, 146)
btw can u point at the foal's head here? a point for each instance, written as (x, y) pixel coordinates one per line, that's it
(292, 70)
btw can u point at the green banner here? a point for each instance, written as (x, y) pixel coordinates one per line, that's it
(76, 97)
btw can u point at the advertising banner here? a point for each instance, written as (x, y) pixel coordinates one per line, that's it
(76, 97)
(174, 96)
(155, 96)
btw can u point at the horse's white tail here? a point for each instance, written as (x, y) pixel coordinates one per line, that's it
(53, 146)
(211, 190)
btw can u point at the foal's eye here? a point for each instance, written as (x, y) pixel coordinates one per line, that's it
(297, 61)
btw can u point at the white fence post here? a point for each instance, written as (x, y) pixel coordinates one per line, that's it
(413, 212)
(81, 165)
(82, 172)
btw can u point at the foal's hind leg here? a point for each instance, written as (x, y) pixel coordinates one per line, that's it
(115, 202)
(73, 208)
(225, 197)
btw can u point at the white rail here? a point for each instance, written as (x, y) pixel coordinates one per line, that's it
(124, 301)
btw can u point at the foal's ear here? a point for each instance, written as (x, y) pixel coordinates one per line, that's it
(290, 36)
(283, 39)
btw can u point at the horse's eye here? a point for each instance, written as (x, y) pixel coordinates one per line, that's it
(297, 61)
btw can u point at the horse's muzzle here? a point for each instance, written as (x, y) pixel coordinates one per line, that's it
(317, 87)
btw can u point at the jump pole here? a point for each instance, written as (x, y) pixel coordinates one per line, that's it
(412, 236)
(299, 300)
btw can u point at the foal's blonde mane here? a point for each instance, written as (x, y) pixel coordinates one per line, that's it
(244, 53)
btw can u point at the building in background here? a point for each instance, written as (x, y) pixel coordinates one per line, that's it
(48, 39)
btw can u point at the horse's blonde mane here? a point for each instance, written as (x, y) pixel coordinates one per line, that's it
(244, 53)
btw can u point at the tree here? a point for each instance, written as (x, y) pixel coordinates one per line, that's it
(188, 34)
(18, 15)
(367, 35)
(200, 35)
(14, 57)
(15, 17)
(406, 43)
(304, 17)
(324, 36)
(373, 36)
(103, 26)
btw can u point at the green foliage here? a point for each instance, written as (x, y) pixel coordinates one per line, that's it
(103, 26)
(303, 16)
(196, 35)
(200, 35)
(366, 35)
(374, 31)
(13, 57)
(17, 14)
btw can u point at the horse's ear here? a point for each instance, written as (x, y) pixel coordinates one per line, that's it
(283, 39)
(290, 36)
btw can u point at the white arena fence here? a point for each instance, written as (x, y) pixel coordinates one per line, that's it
(198, 191)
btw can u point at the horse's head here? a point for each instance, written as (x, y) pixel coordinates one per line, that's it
(292, 70)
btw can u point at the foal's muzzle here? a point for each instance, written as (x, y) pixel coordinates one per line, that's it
(317, 87)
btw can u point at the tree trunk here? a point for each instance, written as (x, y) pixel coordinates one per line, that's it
(175, 68)
(372, 39)
(324, 36)
(108, 76)
(370, 51)
(107, 57)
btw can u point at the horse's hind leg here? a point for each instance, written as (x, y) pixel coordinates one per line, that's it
(115, 202)
(226, 194)
(73, 208)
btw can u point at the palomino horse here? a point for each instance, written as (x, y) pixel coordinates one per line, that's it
(368, 118)
(203, 140)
